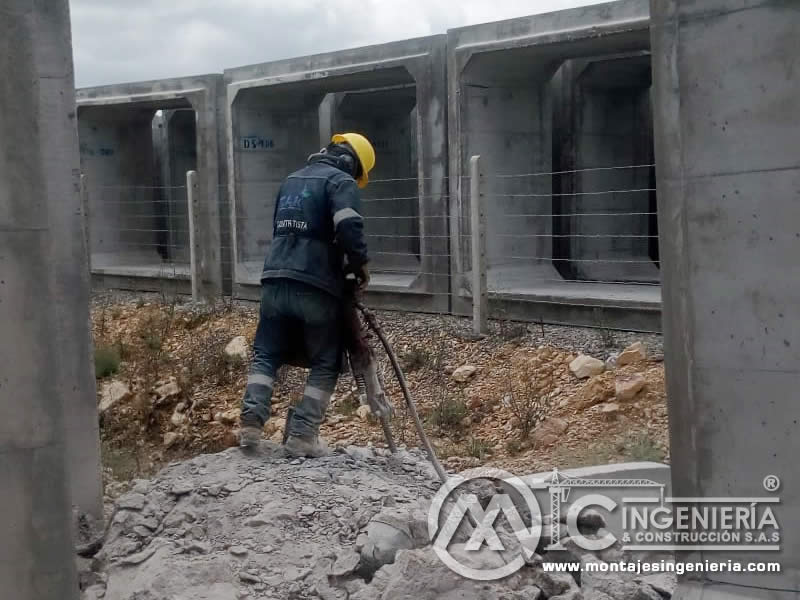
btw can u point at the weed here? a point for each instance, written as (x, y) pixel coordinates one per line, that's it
(416, 359)
(106, 361)
(642, 448)
(449, 414)
(511, 330)
(478, 448)
(513, 446)
(347, 405)
(528, 403)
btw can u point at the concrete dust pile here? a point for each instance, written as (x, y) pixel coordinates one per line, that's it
(352, 525)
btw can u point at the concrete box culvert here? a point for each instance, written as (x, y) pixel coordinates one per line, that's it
(137, 142)
(280, 112)
(534, 97)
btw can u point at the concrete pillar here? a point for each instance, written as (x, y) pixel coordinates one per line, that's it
(727, 121)
(47, 403)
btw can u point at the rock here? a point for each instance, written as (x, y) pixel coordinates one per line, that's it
(596, 596)
(346, 564)
(391, 530)
(246, 577)
(238, 551)
(589, 521)
(113, 393)
(364, 413)
(463, 374)
(634, 353)
(167, 391)
(138, 558)
(553, 584)
(238, 348)
(663, 583)
(170, 439)
(586, 366)
(229, 417)
(628, 387)
(611, 362)
(570, 595)
(131, 502)
(549, 431)
(181, 488)
(308, 511)
(616, 585)
(475, 403)
(609, 410)
(198, 547)
(177, 418)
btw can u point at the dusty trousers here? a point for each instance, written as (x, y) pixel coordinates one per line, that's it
(297, 321)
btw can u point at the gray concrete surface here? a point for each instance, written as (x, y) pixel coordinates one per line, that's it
(727, 125)
(49, 445)
(280, 112)
(535, 95)
(136, 176)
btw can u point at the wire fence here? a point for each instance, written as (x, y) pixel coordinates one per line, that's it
(583, 238)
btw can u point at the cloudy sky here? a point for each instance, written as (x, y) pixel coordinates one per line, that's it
(131, 40)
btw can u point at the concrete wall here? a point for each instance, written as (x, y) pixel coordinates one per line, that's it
(508, 86)
(140, 231)
(49, 443)
(727, 124)
(280, 112)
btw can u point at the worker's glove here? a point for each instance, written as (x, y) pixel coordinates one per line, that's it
(362, 277)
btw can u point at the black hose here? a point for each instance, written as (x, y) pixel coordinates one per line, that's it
(373, 324)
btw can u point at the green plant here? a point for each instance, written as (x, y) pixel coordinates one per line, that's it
(528, 403)
(347, 405)
(478, 448)
(513, 446)
(642, 448)
(106, 361)
(415, 359)
(449, 414)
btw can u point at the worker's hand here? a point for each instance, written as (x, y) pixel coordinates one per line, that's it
(362, 276)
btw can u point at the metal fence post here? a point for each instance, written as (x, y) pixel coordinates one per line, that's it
(192, 198)
(480, 297)
(87, 239)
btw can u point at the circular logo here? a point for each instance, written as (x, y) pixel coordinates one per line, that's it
(445, 518)
(772, 483)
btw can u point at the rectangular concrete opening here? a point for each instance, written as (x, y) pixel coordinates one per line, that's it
(604, 149)
(135, 157)
(276, 128)
(536, 111)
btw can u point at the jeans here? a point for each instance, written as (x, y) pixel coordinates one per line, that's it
(296, 318)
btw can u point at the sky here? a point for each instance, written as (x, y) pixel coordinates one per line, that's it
(117, 41)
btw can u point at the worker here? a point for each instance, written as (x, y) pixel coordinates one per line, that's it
(318, 239)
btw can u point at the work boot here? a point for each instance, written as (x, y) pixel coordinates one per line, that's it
(306, 446)
(250, 435)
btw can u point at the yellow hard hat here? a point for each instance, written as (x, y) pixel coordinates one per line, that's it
(364, 151)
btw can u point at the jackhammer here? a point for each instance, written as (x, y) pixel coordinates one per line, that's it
(363, 365)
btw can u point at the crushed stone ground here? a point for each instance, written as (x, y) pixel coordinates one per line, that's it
(165, 342)
(235, 526)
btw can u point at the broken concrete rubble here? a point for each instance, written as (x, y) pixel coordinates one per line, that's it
(352, 525)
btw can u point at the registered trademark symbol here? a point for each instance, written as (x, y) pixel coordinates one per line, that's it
(772, 483)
